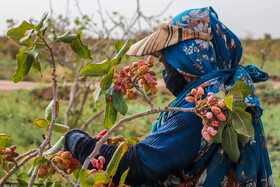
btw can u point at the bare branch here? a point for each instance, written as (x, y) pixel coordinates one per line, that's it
(16, 167)
(25, 154)
(149, 101)
(86, 124)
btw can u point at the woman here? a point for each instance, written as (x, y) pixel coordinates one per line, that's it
(196, 49)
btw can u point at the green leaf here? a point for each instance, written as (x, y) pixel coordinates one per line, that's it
(119, 102)
(239, 104)
(228, 101)
(79, 48)
(67, 37)
(132, 141)
(22, 175)
(119, 57)
(118, 45)
(110, 115)
(76, 172)
(53, 36)
(98, 178)
(237, 96)
(96, 93)
(41, 123)
(220, 94)
(26, 38)
(124, 49)
(57, 147)
(2, 174)
(230, 144)
(22, 183)
(39, 160)
(96, 69)
(107, 79)
(123, 177)
(41, 22)
(242, 122)
(243, 88)
(36, 66)
(114, 162)
(83, 176)
(243, 139)
(45, 26)
(60, 128)
(5, 141)
(19, 32)
(218, 137)
(48, 111)
(24, 63)
(56, 184)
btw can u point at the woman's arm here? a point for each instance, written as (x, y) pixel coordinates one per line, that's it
(166, 151)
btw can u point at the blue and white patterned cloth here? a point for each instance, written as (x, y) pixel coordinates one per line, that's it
(217, 62)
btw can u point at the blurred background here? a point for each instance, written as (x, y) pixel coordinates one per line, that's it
(101, 23)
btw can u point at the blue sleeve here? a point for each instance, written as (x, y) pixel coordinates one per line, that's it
(173, 146)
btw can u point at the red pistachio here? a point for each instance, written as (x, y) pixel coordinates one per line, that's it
(194, 91)
(221, 117)
(221, 104)
(190, 99)
(209, 115)
(130, 94)
(216, 109)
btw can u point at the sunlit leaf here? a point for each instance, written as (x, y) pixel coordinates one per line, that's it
(243, 139)
(96, 93)
(56, 147)
(220, 94)
(25, 39)
(119, 57)
(242, 122)
(243, 88)
(119, 102)
(107, 79)
(39, 160)
(98, 178)
(48, 111)
(45, 26)
(123, 177)
(22, 175)
(76, 172)
(41, 123)
(118, 45)
(132, 141)
(83, 176)
(2, 174)
(79, 48)
(22, 183)
(239, 104)
(60, 128)
(53, 36)
(24, 63)
(230, 144)
(228, 101)
(5, 141)
(96, 69)
(114, 162)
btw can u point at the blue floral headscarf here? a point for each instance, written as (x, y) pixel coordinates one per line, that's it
(216, 62)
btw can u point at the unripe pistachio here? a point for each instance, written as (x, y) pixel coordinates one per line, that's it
(58, 159)
(221, 104)
(130, 94)
(14, 154)
(124, 90)
(190, 99)
(210, 94)
(212, 131)
(135, 64)
(211, 99)
(102, 159)
(194, 91)
(215, 123)
(206, 136)
(9, 158)
(209, 115)
(153, 90)
(8, 151)
(141, 63)
(13, 147)
(216, 109)
(66, 155)
(150, 60)
(43, 172)
(69, 171)
(221, 117)
(200, 91)
(146, 87)
(117, 88)
(93, 171)
(127, 69)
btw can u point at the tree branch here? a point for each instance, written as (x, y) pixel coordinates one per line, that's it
(25, 154)
(86, 124)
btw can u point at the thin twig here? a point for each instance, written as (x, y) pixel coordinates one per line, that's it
(149, 101)
(61, 172)
(25, 154)
(48, 138)
(86, 124)
(15, 168)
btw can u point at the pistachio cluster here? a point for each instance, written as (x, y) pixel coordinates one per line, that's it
(97, 163)
(126, 79)
(63, 160)
(9, 153)
(211, 109)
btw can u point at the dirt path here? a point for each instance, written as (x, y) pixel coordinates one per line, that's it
(7, 86)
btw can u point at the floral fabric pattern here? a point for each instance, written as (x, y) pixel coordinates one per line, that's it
(217, 62)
